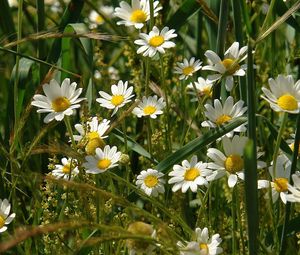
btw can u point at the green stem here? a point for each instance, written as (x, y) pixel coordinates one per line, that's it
(278, 141)
(69, 129)
(151, 14)
(167, 119)
(233, 209)
(288, 206)
(224, 9)
(147, 78)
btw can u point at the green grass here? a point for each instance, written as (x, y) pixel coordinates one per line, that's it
(91, 213)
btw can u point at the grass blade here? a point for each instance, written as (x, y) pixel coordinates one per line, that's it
(198, 144)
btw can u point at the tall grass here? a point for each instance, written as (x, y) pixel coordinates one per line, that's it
(93, 214)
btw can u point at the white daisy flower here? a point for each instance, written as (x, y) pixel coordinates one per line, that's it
(149, 107)
(218, 115)
(151, 182)
(291, 143)
(59, 101)
(92, 135)
(137, 14)
(189, 175)
(203, 87)
(121, 95)
(284, 94)
(204, 245)
(280, 181)
(4, 212)
(229, 66)
(231, 162)
(68, 169)
(96, 19)
(102, 160)
(187, 68)
(295, 190)
(95, 130)
(155, 42)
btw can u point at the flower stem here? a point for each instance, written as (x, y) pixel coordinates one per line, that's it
(167, 119)
(69, 129)
(278, 141)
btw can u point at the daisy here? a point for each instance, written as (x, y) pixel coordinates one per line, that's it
(291, 143)
(284, 94)
(189, 175)
(204, 245)
(137, 14)
(4, 212)
(136, 246)
(121, 95)
(149, 107)
(68, 169)
(93, 134)
(203, 87)
(219, 115)
(295, 190)
(155, 42)
(59, 101)
(150, 182)
(231, 162)
(102, 160)
(187, 68)
(229, 66)
(280, 181)
(96, 19)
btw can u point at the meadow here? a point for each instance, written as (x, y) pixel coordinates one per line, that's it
(150, 127)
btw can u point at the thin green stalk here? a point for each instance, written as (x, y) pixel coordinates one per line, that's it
(224, 10)
(233, 213)
(69, 129)
(238, 216)
(283, 241)
(167, 119)
(147, 76)
(250, 159)
(284, 118)
(149, 135)
(151, 24)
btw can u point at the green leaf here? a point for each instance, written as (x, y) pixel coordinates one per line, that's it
(132, 144)
(71, 15)
(186, 10)
(85, 45)
(250, 164)
(281, 8)
(198, 144)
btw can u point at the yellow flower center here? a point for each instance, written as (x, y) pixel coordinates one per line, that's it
(191, 174)
(66, 169)
(281, 184)
(117, 100)
(234, 163)
(149, 109)
(188, 70)
(206, 91)
(292, 146)
(223, 119)
(103, 163)
(2, 221)
(287, 102)
(92, 135)
(156, 41)
(99, 19)
(60, 104)
(231, 68)
(138, 16)
(93, 144)
(203, 248)
(151, 181)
